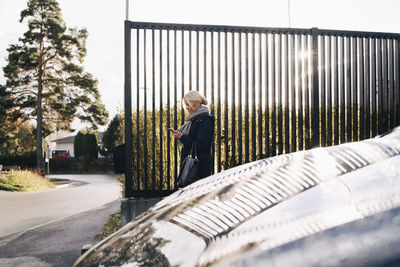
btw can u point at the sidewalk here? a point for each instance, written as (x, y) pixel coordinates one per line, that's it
(58, 243)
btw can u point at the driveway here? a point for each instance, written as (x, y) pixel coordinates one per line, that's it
(48, 228)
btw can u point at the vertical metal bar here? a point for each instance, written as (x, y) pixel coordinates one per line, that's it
(190, 60)
(146, 175)
(182, 111)
(292, 93)
(329, 92)
(348, 91)
(233, 126)
(246, 108)
(397, 82)
(168, 115)
(367, 89)
(153, 114)
(323, 91)
(253, 104)
(240, 118)
(393, 83)
(361, 88)
(385, 85)
(354, 90)
(315, 91)
(161, 116)
(197, 60)
(205, 64)
(212, 98)
(307, 96)
(128, 111)
(137, 110)
(183, 74)
(335, 91)
(259, 108)
(219, 103)
(379, 88)
(205, 90)
(373, 87)
(226, 111)
(273, 100)
(279, 93)
(300, 88)
(286, 99)
(342, 93)
(267, 141)
(175, 108)
(390, 86)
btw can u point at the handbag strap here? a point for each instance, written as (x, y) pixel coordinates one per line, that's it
(194, 147)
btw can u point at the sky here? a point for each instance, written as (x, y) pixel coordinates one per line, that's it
(104, 20)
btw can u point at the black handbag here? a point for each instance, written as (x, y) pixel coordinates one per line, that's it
(189, 170)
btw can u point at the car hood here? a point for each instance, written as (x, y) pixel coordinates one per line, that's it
(246, 212)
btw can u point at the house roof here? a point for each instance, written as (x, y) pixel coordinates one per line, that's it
(71, 139)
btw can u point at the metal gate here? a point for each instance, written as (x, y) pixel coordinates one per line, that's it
(271, 90)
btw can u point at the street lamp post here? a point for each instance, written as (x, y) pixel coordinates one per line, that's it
(127, 10)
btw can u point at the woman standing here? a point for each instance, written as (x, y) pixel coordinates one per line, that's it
(199, 127)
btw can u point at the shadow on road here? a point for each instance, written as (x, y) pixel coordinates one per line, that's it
(55, 244)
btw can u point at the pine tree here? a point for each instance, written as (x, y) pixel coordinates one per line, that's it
(10, 119)
(46, 76)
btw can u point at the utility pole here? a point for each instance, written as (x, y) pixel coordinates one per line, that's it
(288, 3)
(127, 10)
(128, 105)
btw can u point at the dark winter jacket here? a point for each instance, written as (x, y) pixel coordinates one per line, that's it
(201, 130)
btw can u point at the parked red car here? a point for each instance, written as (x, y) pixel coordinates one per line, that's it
(60, 154)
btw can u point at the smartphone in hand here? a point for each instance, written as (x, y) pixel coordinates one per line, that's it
(172, 130)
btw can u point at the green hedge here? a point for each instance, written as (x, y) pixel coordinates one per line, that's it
(25, 161)
(71, 165)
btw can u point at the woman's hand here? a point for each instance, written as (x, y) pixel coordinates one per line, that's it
(177, 135)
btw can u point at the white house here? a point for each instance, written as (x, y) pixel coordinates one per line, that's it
(66, 145)
(63, 145)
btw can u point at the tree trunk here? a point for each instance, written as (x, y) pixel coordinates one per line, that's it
(39, 121)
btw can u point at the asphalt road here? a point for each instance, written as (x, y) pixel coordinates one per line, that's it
(49, 228)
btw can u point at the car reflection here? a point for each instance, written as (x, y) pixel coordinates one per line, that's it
(305, 208)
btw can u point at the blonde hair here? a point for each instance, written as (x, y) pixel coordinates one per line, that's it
(194, 96)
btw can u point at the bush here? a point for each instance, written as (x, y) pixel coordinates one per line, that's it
(64, 165)
(85, 145)
(25, 161)
(118, 153)
(85, 148)
(71, 165)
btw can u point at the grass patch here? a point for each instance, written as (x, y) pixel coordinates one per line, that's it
(111, 226)
(23, 181)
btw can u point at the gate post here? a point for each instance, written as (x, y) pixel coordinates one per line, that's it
(128, 112)
(315, 90)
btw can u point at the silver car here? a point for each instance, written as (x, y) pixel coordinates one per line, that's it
(334, 206)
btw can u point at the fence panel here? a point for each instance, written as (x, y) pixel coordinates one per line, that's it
(272, 91)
